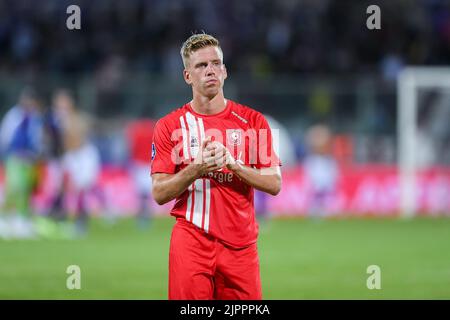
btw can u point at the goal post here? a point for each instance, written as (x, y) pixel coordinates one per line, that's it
(410, 80)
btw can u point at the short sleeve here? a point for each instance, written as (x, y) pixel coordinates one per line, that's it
(162, 148)
(266, 155)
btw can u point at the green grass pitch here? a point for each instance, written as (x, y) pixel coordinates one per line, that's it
(300, 259)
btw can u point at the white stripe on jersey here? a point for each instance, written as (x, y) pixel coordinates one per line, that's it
(194, 139)
(189, 203)
(198, 203)
(197, 193)
(207, 204)
(202, 130)
(185, 138)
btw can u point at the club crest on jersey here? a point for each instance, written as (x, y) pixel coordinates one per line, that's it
(234, 137)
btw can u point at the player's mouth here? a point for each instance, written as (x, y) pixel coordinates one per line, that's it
(211, 81)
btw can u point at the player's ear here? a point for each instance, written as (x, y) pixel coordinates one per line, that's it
(187, 76)
(225, 73)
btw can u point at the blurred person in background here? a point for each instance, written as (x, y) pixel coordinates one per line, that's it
(139, 136)
(55, 150)
(285, 149)
(21, 134)
(54, 224)
(81, 159)
(321, 169)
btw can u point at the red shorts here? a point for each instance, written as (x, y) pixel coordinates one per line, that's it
(201, 267)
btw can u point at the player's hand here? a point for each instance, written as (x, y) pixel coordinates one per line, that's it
(205, 160)
(214, 156)
(223, 156)
(231, 163)
(199, 158)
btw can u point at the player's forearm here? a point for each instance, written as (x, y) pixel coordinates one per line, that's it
(167, 189)
(266, 180)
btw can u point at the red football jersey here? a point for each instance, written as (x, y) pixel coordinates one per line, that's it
(218, 203)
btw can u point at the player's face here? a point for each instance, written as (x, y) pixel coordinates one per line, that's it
(62, 104)
(205, 71)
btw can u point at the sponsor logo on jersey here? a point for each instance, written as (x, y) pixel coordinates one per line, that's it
(194, 142)
(239, 117)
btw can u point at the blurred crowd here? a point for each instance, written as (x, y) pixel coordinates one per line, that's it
(48, 144)
(258, 36)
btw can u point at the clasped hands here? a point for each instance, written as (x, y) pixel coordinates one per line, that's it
(213, 156)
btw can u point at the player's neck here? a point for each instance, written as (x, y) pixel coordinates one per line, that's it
(204, 105)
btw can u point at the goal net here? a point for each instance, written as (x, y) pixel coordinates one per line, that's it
(423, 132)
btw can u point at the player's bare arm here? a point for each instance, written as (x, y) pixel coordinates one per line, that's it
(167, 187)
(265, 179)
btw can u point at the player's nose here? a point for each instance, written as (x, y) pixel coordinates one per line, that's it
(210, 69)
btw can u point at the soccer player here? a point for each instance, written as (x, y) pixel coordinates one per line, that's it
(321, 170)
(139, 133)
(209, 155)
(81, 159)
(21, 134)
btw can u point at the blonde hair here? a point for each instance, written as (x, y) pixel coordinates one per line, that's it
(195, 42)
